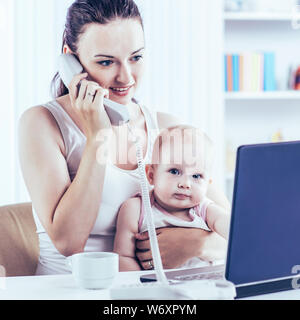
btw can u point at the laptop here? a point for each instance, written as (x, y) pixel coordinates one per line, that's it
(263, 254)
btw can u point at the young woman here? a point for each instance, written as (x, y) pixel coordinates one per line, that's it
(68, 148)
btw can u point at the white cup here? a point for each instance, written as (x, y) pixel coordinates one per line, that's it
(94, 270)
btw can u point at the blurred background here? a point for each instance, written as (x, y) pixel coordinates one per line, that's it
(230, 67)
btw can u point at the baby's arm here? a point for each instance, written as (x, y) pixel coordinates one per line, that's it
(218, 220)
(127, 227)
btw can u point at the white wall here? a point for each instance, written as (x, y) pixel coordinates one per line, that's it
(29, 31)
(37, 34)
(7, 112)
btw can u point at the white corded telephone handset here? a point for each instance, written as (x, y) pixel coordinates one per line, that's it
(69, 66)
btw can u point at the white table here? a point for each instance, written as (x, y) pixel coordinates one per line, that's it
(63, 287)
(58, 287)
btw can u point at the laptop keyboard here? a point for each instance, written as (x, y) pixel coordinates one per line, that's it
(201, 276)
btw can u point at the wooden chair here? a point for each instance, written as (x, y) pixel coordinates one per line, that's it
(19, 246)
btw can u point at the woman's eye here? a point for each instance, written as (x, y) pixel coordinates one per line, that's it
(174, 171)
(137, 58)
(105, 63)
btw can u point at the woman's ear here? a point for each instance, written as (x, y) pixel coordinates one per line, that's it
(149, 173)
(66, 49)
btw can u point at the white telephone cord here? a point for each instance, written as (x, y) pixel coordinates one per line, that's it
(158, 267)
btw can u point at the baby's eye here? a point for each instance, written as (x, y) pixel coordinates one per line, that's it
(105, 63)
(174, 171)
(198, 176)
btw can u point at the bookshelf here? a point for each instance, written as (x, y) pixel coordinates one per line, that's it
(260, 16)
(261, 116)
(263, 95)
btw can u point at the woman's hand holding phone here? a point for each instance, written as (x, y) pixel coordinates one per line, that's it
(87, 101)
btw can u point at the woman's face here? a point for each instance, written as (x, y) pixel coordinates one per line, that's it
(113, 56)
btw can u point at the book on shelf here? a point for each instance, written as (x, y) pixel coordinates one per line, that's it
(235, 72)
(250, 71)
(269, 71)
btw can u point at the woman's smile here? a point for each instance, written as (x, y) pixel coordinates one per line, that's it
(120, 91)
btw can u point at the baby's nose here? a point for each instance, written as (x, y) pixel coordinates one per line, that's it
(184, 183)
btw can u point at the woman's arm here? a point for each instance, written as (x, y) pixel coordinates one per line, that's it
(127, 227)
(67, 210)
(177, 245)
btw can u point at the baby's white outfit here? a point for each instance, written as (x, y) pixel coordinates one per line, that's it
(163, 219)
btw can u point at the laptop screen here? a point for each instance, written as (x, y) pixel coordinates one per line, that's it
(265, 224)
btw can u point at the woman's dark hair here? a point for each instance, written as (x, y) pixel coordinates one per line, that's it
(83, 12)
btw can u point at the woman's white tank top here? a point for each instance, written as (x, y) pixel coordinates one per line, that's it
(119, 185)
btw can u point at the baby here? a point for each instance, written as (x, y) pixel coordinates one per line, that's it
(180, 175)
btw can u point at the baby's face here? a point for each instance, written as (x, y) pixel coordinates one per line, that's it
(179, 184)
